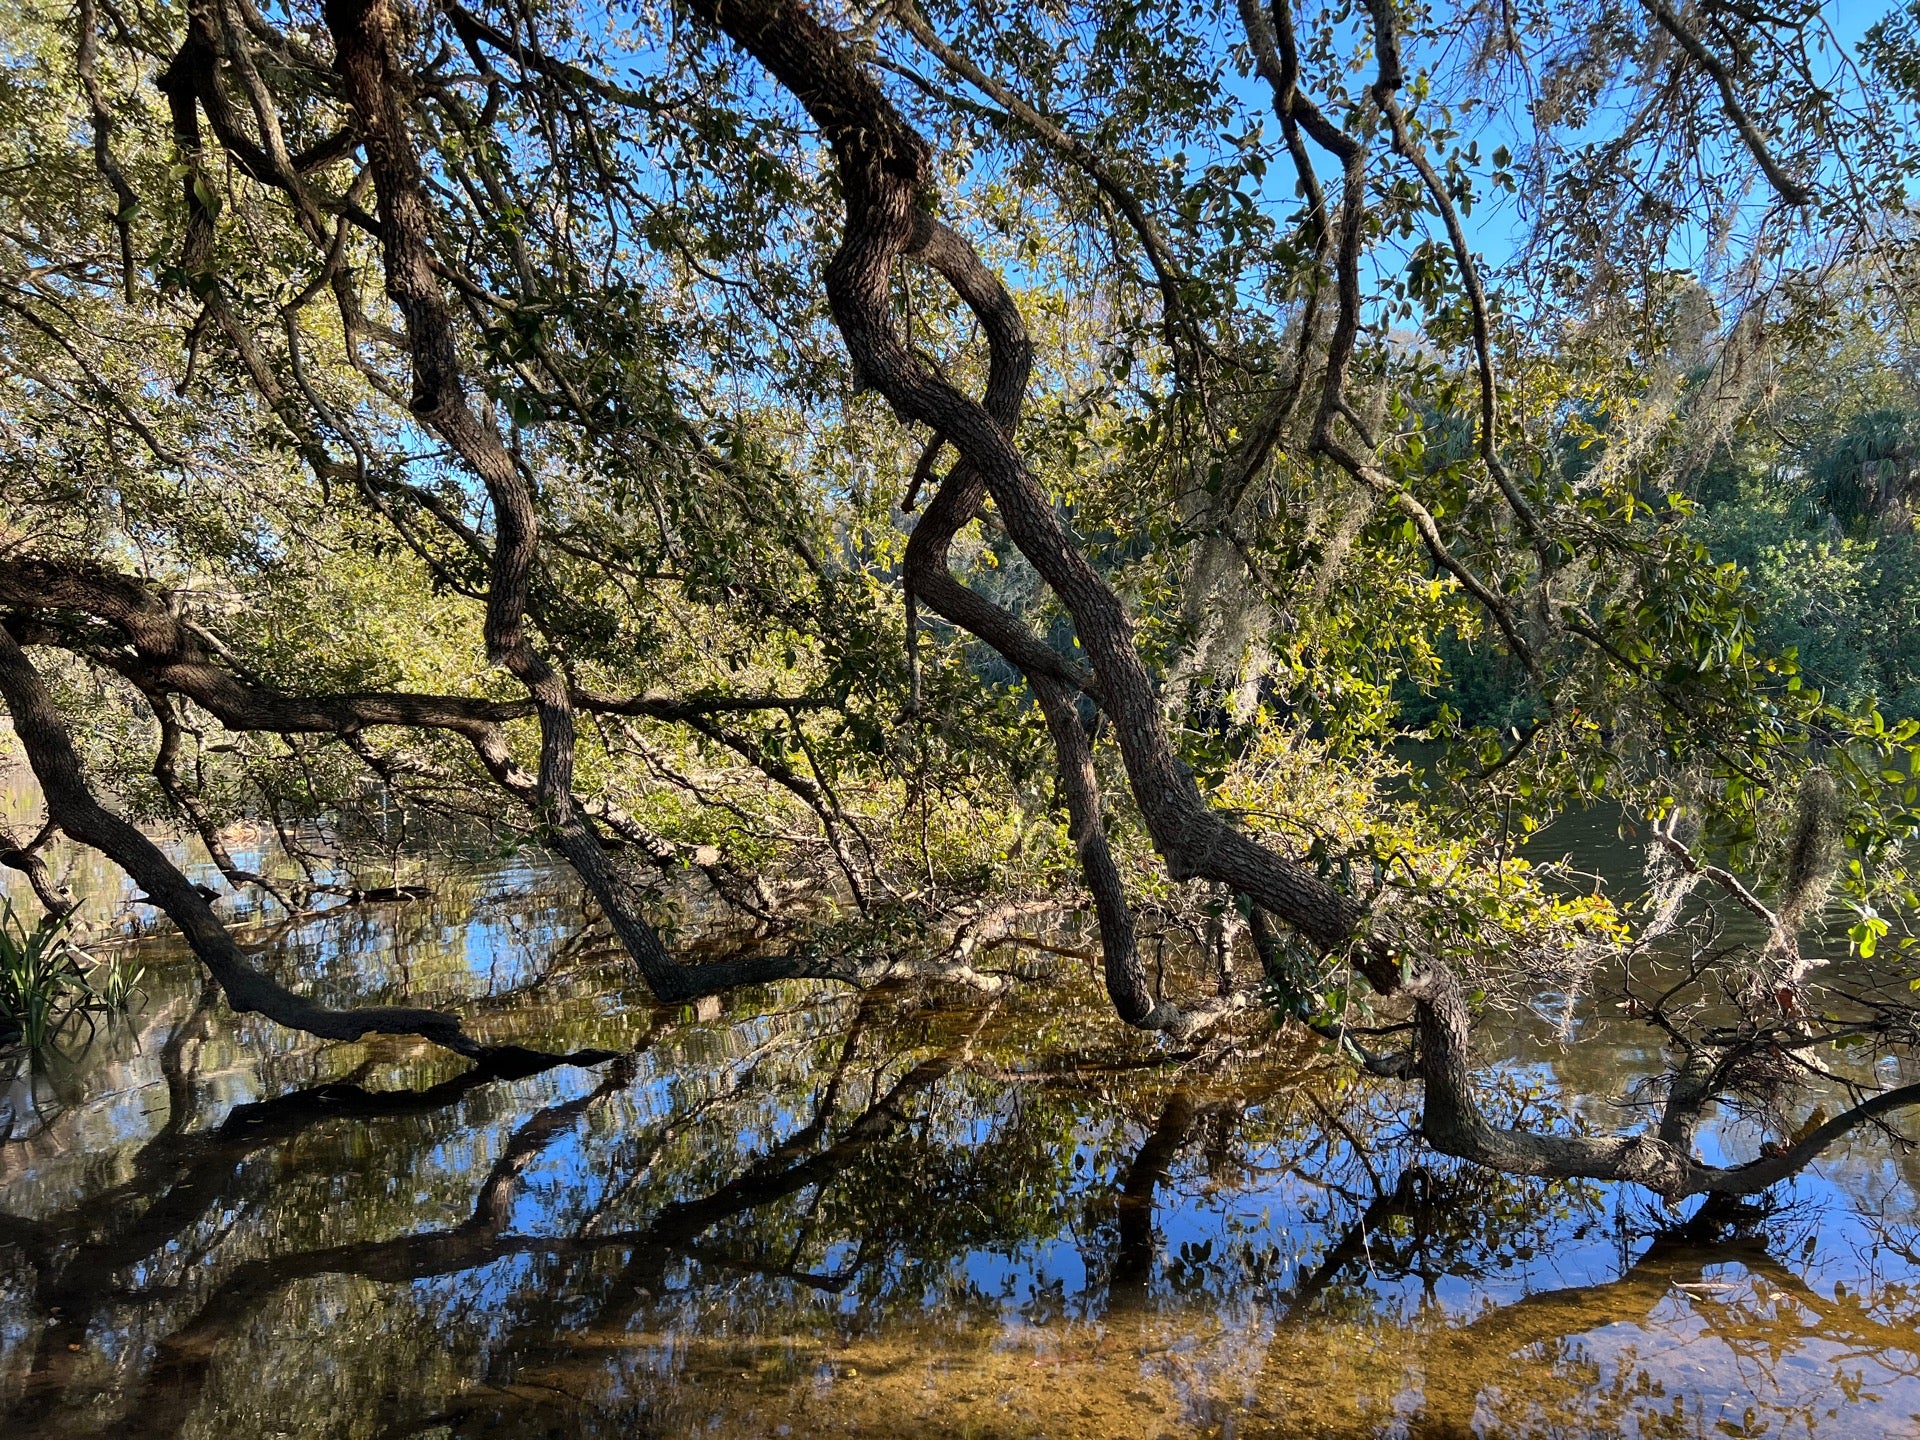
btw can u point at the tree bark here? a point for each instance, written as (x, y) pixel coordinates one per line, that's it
(883, 166)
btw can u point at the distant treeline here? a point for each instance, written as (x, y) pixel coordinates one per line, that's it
(1816, 497)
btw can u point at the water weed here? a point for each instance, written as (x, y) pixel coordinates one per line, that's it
(46, 980)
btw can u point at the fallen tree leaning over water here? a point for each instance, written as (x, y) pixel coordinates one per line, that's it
(598, 433)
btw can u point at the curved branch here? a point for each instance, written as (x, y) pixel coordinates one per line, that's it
(927, 574)
(1385, 94)
(57, 900)
(170, 656)
(883, 167)
(1169, 275)
(1784, 185)
(167, 773)
(71, 805)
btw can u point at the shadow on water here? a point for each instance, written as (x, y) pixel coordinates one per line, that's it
(885, 1215)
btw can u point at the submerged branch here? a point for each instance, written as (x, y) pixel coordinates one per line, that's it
(72, 806)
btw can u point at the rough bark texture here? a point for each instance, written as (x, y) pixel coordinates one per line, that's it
(883, 166)
(365, 42)
(928, 576)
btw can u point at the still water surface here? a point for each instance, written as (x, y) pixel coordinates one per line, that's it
(905, 1214)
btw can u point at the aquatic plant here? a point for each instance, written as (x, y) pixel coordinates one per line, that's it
(46, 980)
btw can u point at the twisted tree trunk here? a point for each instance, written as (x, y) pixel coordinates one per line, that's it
(883, 166)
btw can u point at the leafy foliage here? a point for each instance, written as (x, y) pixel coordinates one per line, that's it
(1620, 515)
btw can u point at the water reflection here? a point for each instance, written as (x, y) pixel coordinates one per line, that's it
(887, 1215)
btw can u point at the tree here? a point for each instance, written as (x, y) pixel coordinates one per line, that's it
(604, 345)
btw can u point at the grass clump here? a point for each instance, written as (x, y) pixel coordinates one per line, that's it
(46, 981)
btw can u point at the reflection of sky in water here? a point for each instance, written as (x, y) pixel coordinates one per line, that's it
(676, 1248)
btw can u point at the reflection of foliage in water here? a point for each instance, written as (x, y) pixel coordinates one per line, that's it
(825, 1213)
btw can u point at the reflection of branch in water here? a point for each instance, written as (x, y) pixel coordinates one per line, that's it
(829, 1098)
(178, 1376)
(1090, 1071)
(1151, 1166)
(179, 1177)
(178, 1060)
(1678, 1260)
(826, 1106)
(193, 1175)
(1133, 1256)
(1182, 1116)
(679, 1223)
(1467, 1362)
(179, 1373)
(1354, 1244)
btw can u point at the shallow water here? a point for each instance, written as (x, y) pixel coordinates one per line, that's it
(904, 1214)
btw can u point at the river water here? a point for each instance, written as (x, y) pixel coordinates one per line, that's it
(911, 1213)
